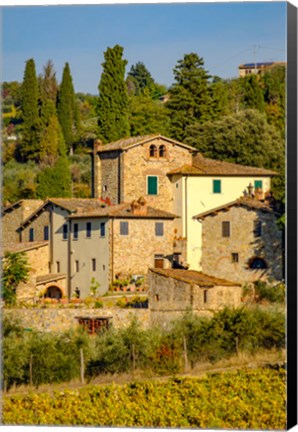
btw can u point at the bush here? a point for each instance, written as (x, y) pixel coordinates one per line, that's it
(272, 293)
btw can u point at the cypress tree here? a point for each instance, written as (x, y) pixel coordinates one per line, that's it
(66, 108)
(55, 181)
(29, 148)
(113, 99)
(190, 100)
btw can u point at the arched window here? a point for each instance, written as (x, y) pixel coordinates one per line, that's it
(53, 292)
(153, 151)
(257, 263)
(162, 151)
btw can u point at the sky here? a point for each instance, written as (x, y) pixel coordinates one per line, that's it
(159, 35)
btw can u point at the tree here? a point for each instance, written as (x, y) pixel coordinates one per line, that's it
(147, 116)
(55, 181)
(67, 109)
(252, 93)
(15, 271)
(219, 98)
(49, 85)
(189, 100)
(30, 114)
(113, 99)
(142, 78)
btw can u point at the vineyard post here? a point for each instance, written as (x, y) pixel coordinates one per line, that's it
(31, 370)
(185, 355)
(133, 355)
(82, 366)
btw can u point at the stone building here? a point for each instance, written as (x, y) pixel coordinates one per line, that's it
(13, 215)
(174, 292)
(173, 177)
(241, 240)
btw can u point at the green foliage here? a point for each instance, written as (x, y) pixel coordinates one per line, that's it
(113, 98)
(94, 286)
(19, 181)
(190, 100)
(30, 113)
(67, 109)
(252, 94)
(272, 293)
(15, 271)
(55, 181)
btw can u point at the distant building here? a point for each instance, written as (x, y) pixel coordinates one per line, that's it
(257, 68)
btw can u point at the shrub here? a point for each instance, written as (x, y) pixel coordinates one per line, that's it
(272, 293)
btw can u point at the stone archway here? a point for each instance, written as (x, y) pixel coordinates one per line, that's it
(53, 291)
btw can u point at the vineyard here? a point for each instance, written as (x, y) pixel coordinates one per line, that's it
(247, 399)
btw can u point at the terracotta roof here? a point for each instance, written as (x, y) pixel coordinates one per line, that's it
(204, 166)
(50, 277)
(245, 201)
(23, 246)
(69, 204)
(127, 143)
(123, 211)
(194, 277)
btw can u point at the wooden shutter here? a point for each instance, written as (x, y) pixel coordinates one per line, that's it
(226, 229)
(152, 185)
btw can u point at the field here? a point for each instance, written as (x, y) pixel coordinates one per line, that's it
(246, 399)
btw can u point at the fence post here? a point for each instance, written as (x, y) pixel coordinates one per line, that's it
(31, 370)
(133, 355)
(82, 366)
(186, 367)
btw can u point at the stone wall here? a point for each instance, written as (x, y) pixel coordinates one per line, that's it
(54, 319)
(38, 225)
(138, 165)
(134, 253)
(110, 175)
(217, 250)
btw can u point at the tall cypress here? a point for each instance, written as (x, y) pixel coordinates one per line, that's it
(66, 108)
(113, 99)
(30, 114)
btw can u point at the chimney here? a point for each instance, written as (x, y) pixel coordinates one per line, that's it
(139, 207)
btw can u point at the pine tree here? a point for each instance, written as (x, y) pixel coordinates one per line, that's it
(190, 100)
(142, 78)
(67, 109)
(113, 99)
(29, 148)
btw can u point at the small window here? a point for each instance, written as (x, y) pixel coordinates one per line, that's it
(205, 296)
(152, 185)
(156, 297)
(76, 231)
(225, 229)
(65, 231)
(162, 151)
(177, 185)
(88, 229)
(235, 257)
(103, 267)
(123, 228)
(58, 266)
(216, 186)
(105, 188)
(258, 228)
(258, 184)
(93, 264)
(77, 266)
(152, 151)
(159, 228)
(31, 234)
(46, 232)
(102, 229)
(77, 292)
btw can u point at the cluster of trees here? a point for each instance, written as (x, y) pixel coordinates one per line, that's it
(47, 358)
(239, 120)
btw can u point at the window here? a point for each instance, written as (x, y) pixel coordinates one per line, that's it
(235, 257)
(152, 185)
(58, 266)
(205, 296)
(257, 228)
(46, 232)
(93, 264)
(65, 232)
(257, 263)
(77, 266)
(123, 228)
(105, 188)
(258, 184)
(156, 297)
(31, 234)
(88, 229)
(216, 186)
(162, 151)
(77, 292)
(102, 229)
(159, 228)
(76, 231)
(152, 151)
(226, 229)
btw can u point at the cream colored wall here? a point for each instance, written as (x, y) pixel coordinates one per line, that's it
(84, 250)
(59, 250)
(200, 198)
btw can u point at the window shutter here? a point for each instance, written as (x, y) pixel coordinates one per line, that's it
(88, 229)
(152, 185)
(226, 229)
(159, 228)
(216, 186)
(75, 231)
(124, 228)
(258, 184)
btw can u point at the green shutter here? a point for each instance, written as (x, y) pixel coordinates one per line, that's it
(258, 184)
(216, 186)
(152, 185)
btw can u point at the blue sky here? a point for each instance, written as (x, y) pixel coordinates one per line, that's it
(158, 35)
